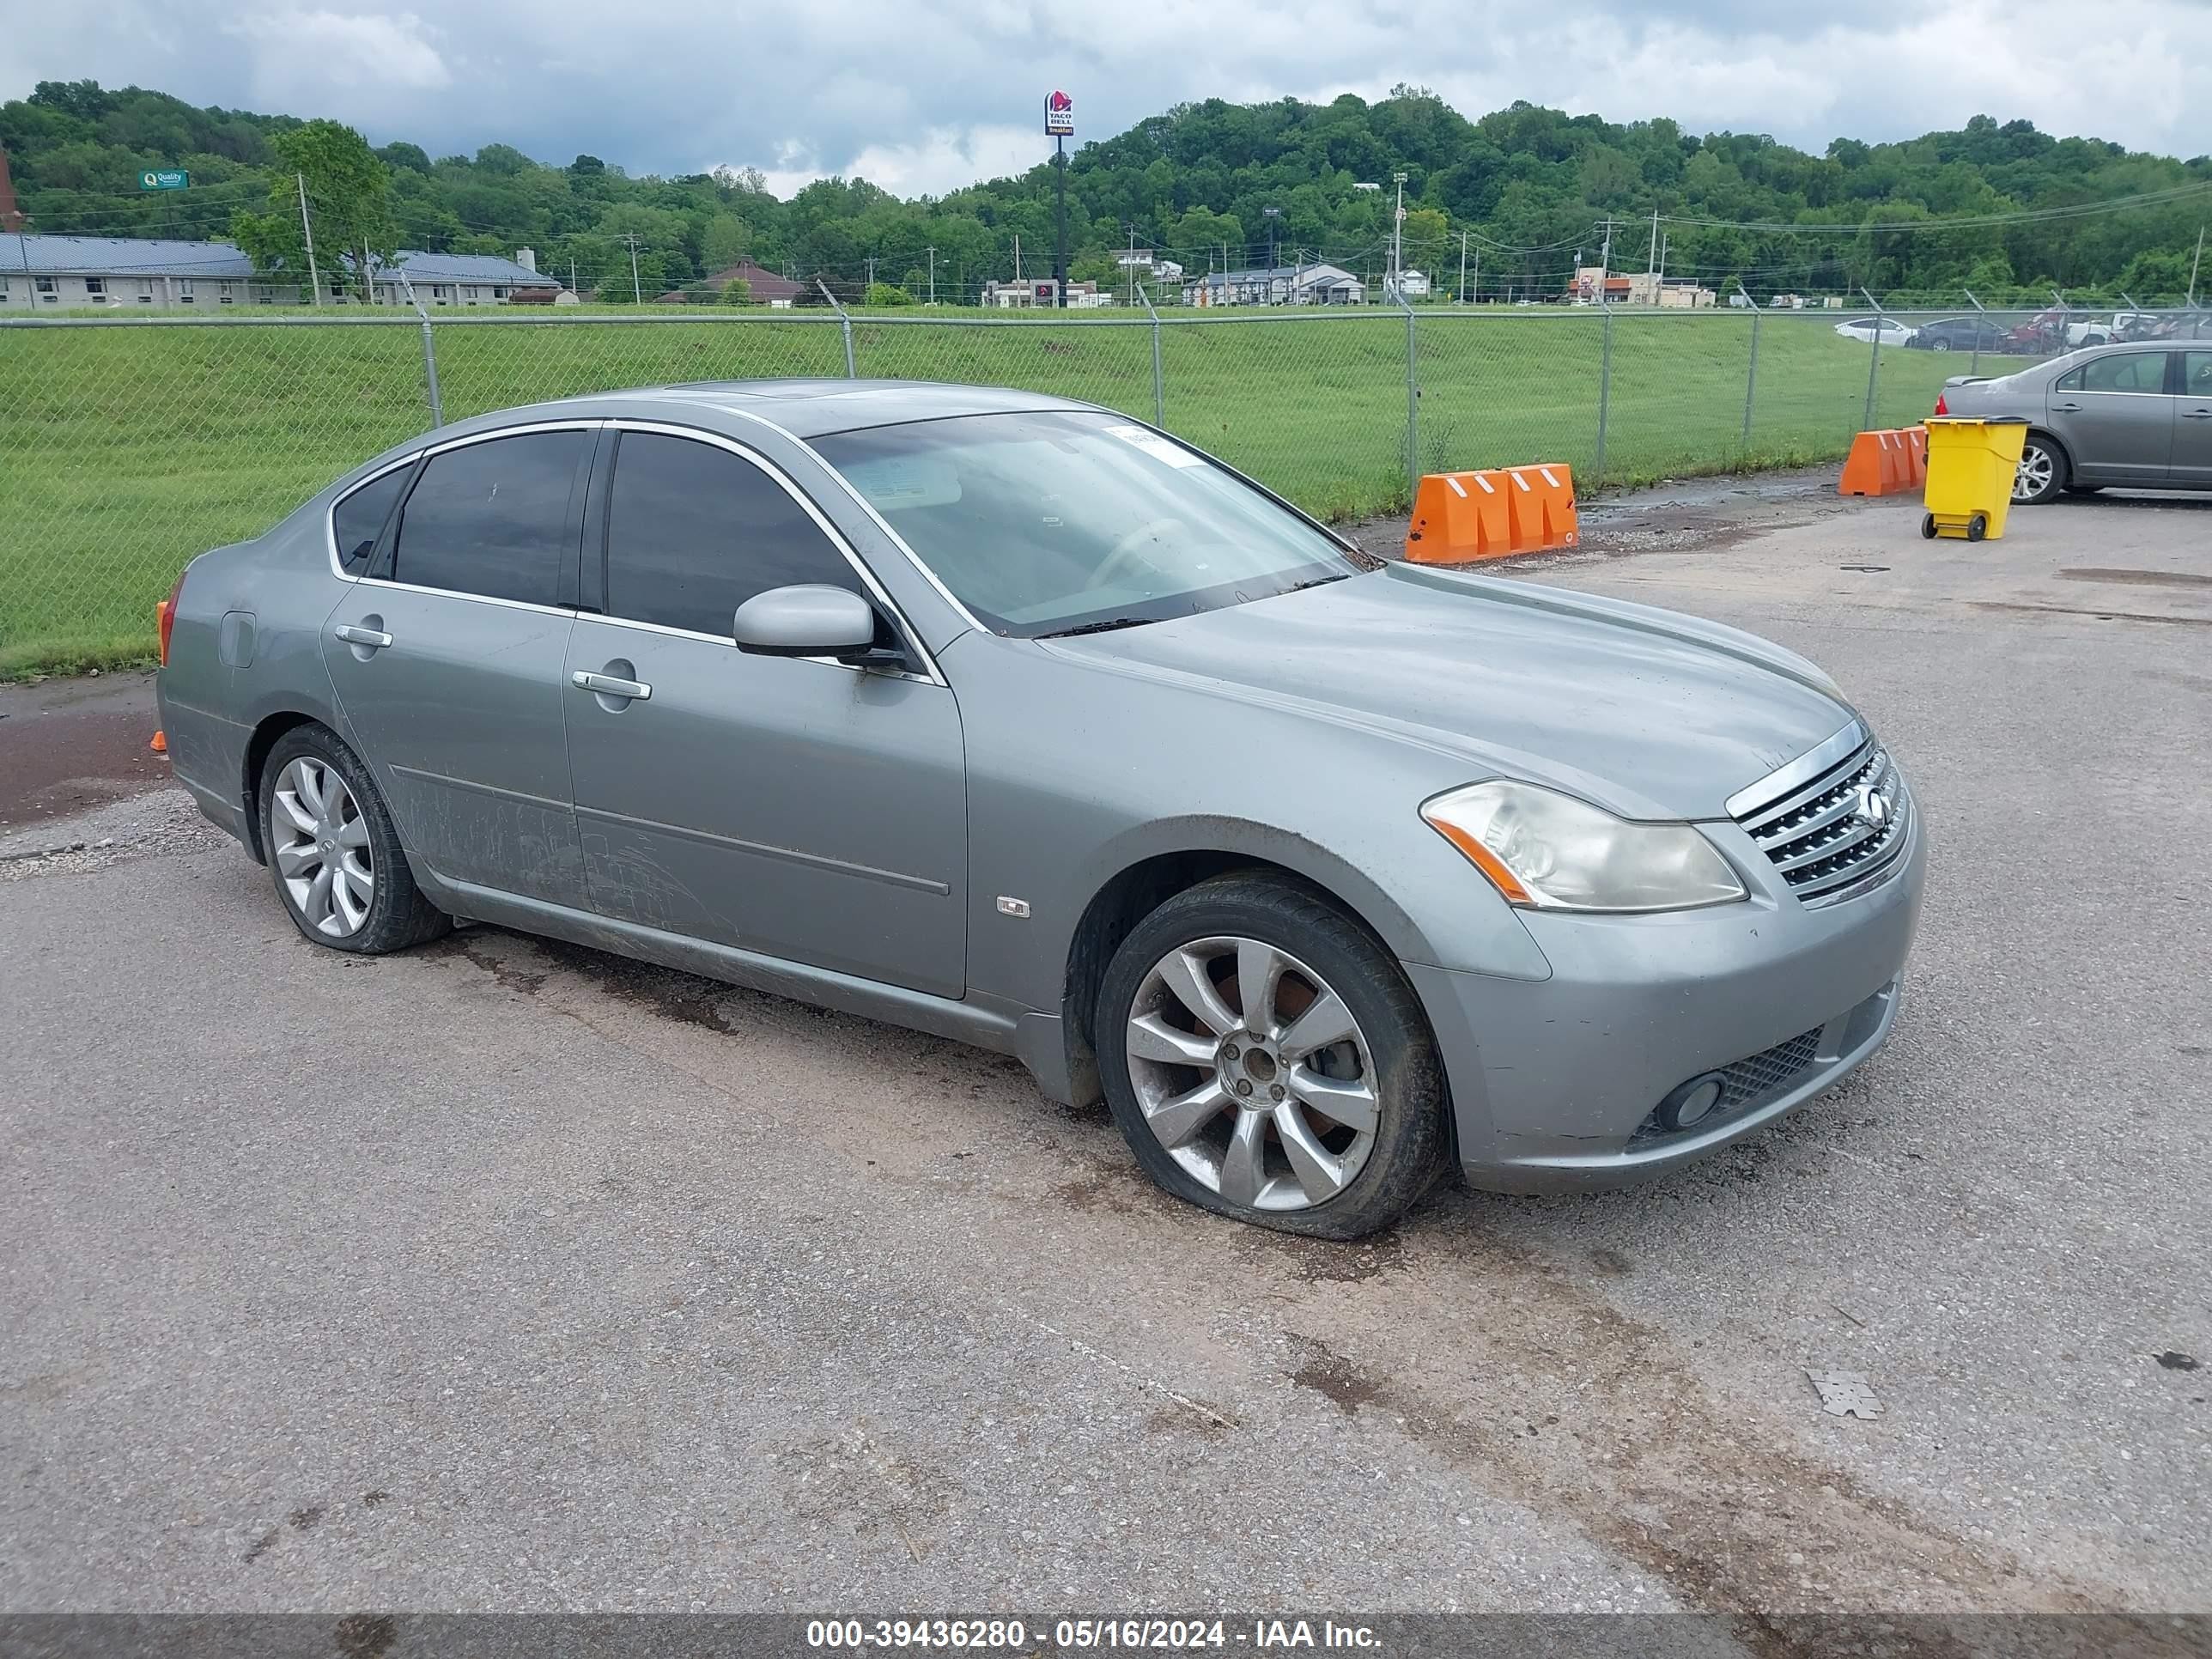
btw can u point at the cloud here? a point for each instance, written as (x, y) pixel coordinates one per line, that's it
(940, 161)
(928, 94)
(294, 52)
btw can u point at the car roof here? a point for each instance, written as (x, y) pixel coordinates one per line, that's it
(814, 408)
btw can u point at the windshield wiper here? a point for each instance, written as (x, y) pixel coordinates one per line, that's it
(1097, 627)
(1300, 587)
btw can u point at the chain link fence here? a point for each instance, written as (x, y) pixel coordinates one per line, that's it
(132, 443)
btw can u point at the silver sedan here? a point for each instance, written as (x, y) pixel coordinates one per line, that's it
(2136, 414)
(1021, 722)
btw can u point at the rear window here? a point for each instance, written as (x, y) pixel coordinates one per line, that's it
(357, 521)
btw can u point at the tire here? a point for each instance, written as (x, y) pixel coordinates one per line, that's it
(1939, 345)
(2043, 472)
(321, 815)
(1977, 527)
(1927, 526)
(1265, 1153)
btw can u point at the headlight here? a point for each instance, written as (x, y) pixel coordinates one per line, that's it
(1552, 852)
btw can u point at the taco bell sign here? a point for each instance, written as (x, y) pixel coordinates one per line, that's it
(1060, 116)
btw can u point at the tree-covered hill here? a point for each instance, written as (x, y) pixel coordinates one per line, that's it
(1533, 189)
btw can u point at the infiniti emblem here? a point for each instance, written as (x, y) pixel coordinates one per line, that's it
(1872, 806)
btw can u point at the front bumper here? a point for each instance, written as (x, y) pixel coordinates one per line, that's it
(1554, 1082)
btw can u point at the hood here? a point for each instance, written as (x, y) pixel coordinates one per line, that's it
(1649, 713)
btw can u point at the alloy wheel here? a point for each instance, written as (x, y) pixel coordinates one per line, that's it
(321, 847)
(1253, 1074)
(2034, 475)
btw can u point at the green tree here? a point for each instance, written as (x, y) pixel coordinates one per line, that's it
(883, 293)
(349, 204)
(725, 240)
(737, 292)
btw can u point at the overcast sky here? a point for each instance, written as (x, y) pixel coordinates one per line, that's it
(927, 95)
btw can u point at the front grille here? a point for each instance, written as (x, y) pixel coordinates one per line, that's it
(1835, 833)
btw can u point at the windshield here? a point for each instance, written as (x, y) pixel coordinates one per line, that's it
(1052, 521)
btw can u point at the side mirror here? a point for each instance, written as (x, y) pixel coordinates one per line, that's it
(807, 620)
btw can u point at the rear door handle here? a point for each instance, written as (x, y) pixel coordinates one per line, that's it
(375, 639)
(2065, 409)
(2197, 414)
(608, 686)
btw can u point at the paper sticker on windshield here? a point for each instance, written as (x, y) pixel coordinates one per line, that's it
(893, 482)
(1155, 445)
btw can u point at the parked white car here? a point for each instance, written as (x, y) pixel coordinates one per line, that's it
(1862, 329)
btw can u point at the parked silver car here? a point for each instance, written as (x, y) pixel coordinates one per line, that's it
(2136, 414)
(1018, 721)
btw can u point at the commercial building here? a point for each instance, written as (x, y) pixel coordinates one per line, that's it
(60, 273)
(1276, 285)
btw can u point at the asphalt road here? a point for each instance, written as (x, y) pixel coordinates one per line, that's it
(501, 1274)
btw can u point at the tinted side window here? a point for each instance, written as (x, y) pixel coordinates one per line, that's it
(693, 532)
(2130, 371)
(358, 519)
(2197, 374)
(2069, 381)
(492, 519)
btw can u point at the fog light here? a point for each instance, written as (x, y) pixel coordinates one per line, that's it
(1689, 1104)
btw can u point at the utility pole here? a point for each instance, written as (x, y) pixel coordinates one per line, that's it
(1651, 269)
(636, 292)
(1605, 264)
(1462, 264)
(1271, 214)
(1397, 234)
(871, 271)
(1131, 265)
(2193, 265)
(933, 276)
(1017, 257)
(572, 276)
(307, 230)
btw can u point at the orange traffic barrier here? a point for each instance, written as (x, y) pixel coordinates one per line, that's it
(1882, 463)
(1461, 517)
(1543, 508)
(1916, 455)
(1458, 517)
(161, 743)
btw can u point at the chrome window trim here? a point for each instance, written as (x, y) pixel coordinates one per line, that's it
(330, 518)
(456, 593)
(933, 675)
(1788, 779)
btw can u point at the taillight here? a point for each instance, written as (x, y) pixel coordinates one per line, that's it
(1941, 408)
(165, 616)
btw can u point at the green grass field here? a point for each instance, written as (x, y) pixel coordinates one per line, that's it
(126, 450)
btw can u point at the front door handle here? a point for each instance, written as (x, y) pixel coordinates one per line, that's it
(374, 638)
(607, 685)
(2197, 414)
(2065, 409)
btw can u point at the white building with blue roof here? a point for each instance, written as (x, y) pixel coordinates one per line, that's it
(59, 273)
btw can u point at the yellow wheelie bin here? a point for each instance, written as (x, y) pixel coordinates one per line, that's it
(1971, 464)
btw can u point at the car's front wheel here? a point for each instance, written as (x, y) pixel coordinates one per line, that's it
(336, 856)
(2042, 471)
(1265, 1059)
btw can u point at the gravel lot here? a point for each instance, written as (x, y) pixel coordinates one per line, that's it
(503, 1274)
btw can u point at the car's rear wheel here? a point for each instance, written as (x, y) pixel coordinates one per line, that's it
(2042, 471)
(335, 857)
(1265, 1059)
(1939, 345)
